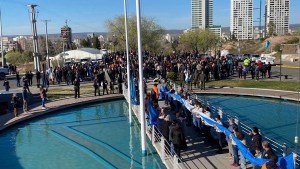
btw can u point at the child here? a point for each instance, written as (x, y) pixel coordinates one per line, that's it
(241, 137)
(258, 154)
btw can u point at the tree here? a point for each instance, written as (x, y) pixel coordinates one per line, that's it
(150, 30)
(96, 43)
(188, 41)
(85, 43)
(271, 28)
(198, 40)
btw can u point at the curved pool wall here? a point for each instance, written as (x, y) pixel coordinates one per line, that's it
(92, 136)
(276, 118)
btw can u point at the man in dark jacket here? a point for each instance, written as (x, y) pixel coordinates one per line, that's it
(268, 152)
(255, 141)
(77, 88)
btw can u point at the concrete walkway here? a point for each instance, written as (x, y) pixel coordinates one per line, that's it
(278, 94)
(36, 109)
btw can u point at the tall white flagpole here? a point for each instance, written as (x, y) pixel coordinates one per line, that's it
(2, 54)
(128, 64)
(141, 85)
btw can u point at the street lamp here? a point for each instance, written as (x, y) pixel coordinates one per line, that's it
(280, 59)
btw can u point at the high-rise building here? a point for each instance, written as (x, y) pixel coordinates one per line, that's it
(277, 16)
(241, 19)
(202, 14)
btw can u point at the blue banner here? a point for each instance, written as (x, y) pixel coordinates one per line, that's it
(286, 162)
(134, 98)
(268, 43)
(162, 91)
(153, 114)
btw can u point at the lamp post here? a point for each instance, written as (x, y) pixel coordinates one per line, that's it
(280, 61)
(47, 47)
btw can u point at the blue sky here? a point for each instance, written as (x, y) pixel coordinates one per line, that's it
(90, 15)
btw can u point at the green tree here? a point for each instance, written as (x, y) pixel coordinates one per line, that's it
(150, 30)
(18, 57)
(271, 29)
(198, 40)
(188, 41)
(96, 43)
(86, 43)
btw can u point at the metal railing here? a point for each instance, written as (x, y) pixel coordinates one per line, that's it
(159, 142)
(277, 147)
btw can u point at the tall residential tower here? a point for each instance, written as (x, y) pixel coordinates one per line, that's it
(277, 16)
(202, 14)
(241, 19)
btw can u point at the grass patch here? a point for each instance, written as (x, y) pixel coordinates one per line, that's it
(276, 85)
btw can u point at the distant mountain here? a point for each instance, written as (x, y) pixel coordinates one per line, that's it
(173, 32)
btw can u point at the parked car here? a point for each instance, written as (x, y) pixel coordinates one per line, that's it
(3, 72)
(255, 57)
(266, 60)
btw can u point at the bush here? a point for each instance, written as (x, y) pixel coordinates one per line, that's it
(18, 58)
(172, 76)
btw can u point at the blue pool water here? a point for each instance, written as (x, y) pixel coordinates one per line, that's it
(91, 137)
(275, 117)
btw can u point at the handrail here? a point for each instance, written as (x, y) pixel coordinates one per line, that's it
(278, 147)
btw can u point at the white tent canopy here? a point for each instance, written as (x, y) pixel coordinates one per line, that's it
(82, 53)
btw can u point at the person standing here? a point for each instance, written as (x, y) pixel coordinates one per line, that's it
(219, 135)
(77, 88)
(38, 78)
(120, 81)
(231, 126)
(25, 83)
(25, 99)
(18, 79)
(255, 141)
(241, 137)
(177, 138)
(202, 80)
(43, 96)
(96, 86)
(30, 78)
(268, 152)
(105, 84)
(269, 67)
(15, 103)
(6, 85)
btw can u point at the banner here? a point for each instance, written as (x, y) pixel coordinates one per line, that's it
(153, 114)
(268, 43)
(134, 98)
(286, 162)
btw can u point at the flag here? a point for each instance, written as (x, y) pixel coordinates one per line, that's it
(153, 113)
(268, 43)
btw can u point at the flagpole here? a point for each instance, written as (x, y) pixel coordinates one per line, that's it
(128, 64)
(141, 85)
(2, 54)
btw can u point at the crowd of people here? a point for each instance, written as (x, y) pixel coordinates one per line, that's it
(175, 119)
(190, 69)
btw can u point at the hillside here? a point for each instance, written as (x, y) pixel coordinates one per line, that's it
(257, 46)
